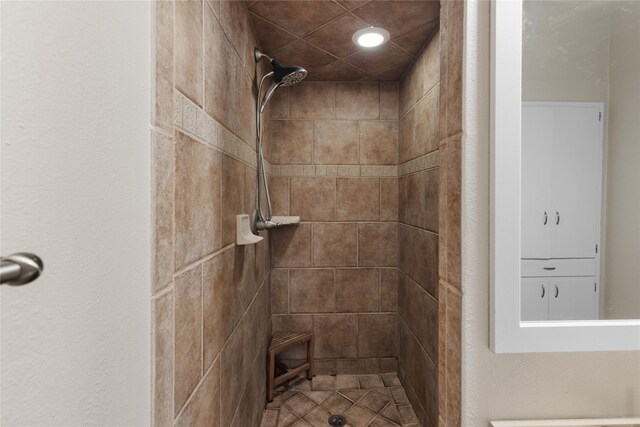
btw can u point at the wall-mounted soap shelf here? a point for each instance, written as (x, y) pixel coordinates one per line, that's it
(286, 220)
(258, 224)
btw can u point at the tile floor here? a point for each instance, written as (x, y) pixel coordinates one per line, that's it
(365, 401)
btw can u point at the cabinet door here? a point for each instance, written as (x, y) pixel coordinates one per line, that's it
(572, 298)
(537, 137)
(534, 299)
(576, 177)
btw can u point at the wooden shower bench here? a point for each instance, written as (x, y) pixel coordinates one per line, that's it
(280, 342)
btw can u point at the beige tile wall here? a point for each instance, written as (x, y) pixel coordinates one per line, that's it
(452, 18)
(418, 234)
(374, 268)
(211, 299)
(332, 144)
(429, 294)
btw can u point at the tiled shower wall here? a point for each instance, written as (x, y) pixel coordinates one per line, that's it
(429, 295)
(333, 154)
(450, 289)
(418, 233)
(210, 298)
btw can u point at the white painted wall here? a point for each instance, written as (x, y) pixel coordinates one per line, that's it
(621, 290)
(507, 386)
(75, 344)
(565, 55)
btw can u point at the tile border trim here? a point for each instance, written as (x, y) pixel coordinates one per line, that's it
(377, 171)
(428, 161)
(193, 121)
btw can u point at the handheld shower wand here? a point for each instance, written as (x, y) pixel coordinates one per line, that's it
(282, 77)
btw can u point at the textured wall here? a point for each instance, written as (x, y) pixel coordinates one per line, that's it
(333, 150)
(75, 191)
(210, 298)
(621, 299)
(518, 386)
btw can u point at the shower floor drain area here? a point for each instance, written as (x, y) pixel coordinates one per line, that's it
(341, 401)
(337, 421)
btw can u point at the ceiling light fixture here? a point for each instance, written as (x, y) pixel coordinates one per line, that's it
(370, 37)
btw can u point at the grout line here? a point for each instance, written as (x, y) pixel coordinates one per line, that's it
(313, 141)
(235, 49)
(418, 341)
(204, 74)
(379, 199)
(358, 244)
(162, 292)
(410, 387)
(173, 222)
(202, 260)
(420, 229)
(311, 263)
(200, 140)
(423, 96)
(163, 132)
(173, 377)
(335, 293)
(335, 200)
(288, 195)
(288, 291)
(202, 362)
(358, 159)
(379, 290)
(452, 288)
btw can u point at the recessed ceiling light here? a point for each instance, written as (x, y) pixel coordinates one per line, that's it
(370, 37)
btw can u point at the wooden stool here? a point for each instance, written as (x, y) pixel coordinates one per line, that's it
(280, 342)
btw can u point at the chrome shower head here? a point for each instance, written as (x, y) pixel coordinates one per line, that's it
(283, 76)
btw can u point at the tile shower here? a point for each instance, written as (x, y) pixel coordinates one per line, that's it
(373, 170)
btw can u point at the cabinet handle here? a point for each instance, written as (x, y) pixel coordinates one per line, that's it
(543, 291)
(557, 218)
(557, 291)
(546, 218)
(549, 268)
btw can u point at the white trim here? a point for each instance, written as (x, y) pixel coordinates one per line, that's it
(602, 422)
(508, 334)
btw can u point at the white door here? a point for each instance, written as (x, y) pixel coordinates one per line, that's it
(572, 298)
(75, 189)
(576, 180)
(537, 136)
(534, 298)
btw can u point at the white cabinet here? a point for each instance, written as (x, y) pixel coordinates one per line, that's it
(534, 301)
(561, 179)
(560, 209)
(537, 136)
(572, 298)
(558, 298)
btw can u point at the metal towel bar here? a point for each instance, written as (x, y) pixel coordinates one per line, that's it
(20, 268)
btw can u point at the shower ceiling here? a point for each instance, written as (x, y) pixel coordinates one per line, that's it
(316, 34)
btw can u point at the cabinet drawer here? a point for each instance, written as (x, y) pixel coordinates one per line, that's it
(558, 267)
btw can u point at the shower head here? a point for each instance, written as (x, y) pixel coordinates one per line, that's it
(282, 76)
(287, 76)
